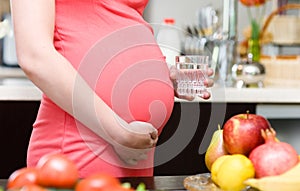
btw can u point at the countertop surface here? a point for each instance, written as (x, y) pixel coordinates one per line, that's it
(15, 86)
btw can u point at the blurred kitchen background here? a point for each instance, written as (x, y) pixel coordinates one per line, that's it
(217, 28)
(186, 12)
(281, 59)
(221, 29)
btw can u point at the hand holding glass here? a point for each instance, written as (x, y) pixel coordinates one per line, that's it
(192, 74)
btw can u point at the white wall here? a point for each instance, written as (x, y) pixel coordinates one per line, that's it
(184, 11)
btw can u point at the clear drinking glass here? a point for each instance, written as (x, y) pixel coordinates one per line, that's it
(192, 74)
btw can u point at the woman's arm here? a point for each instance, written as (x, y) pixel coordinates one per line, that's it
(55, 76)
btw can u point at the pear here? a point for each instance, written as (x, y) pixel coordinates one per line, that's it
(215, 149)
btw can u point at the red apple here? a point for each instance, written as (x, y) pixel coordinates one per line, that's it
(242, 133)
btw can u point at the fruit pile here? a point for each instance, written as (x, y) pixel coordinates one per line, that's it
(56, 172)
(246, 153)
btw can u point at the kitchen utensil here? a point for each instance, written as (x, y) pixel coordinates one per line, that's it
(9, 47)
(248, 74)
(4, 28)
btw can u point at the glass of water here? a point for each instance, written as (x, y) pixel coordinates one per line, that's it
(192, 73)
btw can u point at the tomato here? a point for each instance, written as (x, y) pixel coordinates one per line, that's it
(250, 3)
(98, 182)
(22, 177)
(56, 170)
(33, 187)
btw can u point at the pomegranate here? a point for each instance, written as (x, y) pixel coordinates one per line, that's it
(273, 157)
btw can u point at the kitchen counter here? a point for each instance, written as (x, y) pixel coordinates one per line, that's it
(15, 86)
(29, 92)
(268, 94)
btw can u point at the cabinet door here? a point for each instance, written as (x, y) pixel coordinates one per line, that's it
(16, 119)
(178, 150)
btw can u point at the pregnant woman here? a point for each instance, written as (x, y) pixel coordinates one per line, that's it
(106, 88)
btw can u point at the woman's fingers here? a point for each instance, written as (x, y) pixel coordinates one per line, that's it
(205, 95)
(209, 82)
(210, 72)
(153, 135)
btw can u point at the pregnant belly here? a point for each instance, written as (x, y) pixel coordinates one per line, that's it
(140, 92)
(128, 72)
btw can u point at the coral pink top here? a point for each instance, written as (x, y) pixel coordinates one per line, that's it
(113, 48)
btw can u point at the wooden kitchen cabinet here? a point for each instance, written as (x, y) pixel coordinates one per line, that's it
(16, 119)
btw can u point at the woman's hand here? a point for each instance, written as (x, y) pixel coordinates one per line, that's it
(135, 142)
(208, 83)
